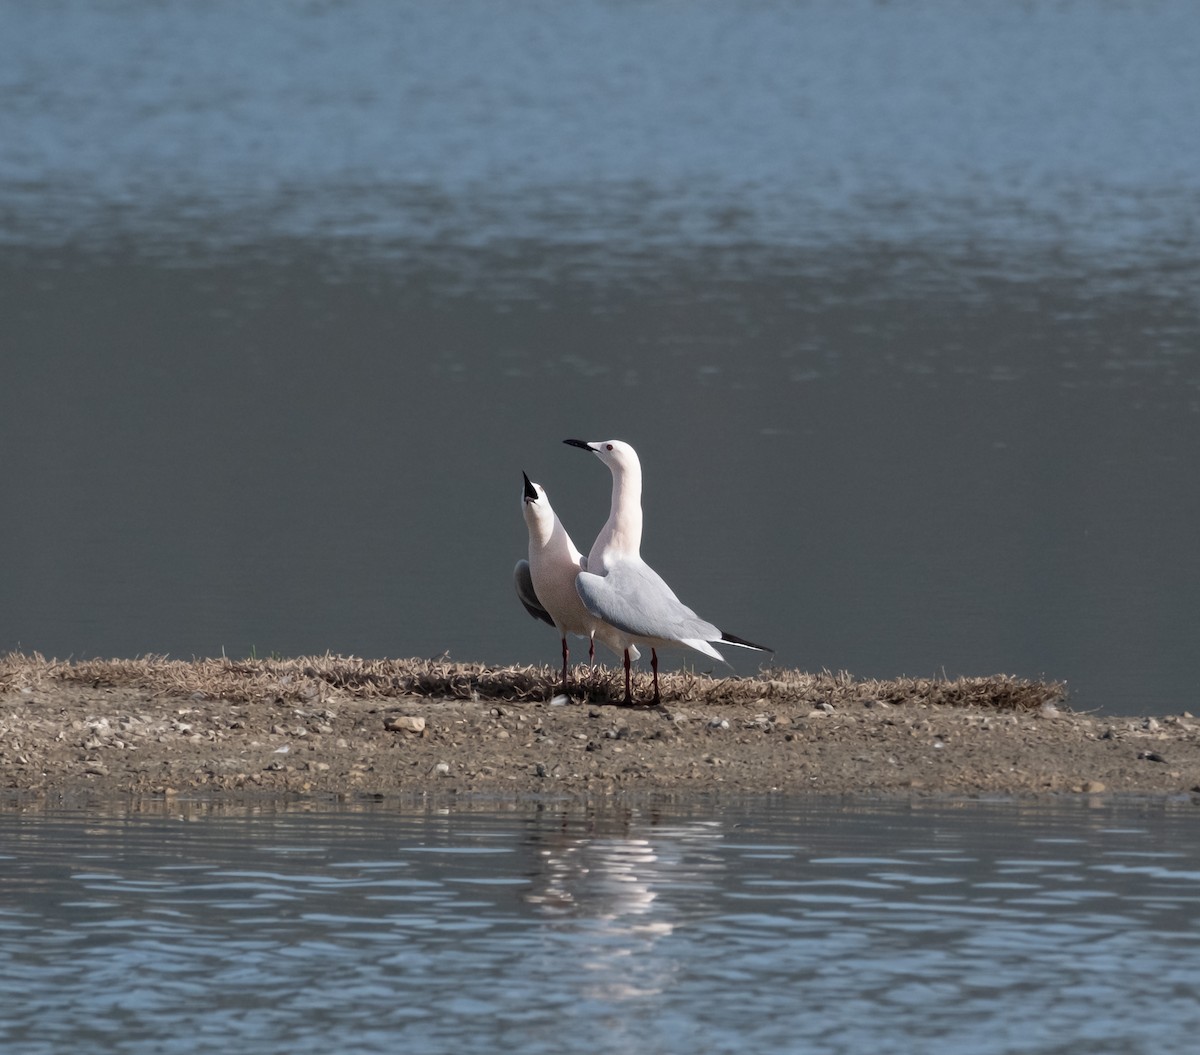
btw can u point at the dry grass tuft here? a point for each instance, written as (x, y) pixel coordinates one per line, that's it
(309, 678)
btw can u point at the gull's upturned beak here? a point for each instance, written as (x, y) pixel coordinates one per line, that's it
(530, 493)
(579, 443)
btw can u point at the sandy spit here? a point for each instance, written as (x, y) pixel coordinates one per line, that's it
(342, 728)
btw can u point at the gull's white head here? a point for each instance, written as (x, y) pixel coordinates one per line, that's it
(539, 516)
(616, 454)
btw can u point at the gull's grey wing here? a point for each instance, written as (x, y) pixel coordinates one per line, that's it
(634, 598)
(523, 580)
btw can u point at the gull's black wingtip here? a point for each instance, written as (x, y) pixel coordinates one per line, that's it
(733, 639)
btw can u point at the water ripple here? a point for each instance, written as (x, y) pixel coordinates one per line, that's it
(775, 926)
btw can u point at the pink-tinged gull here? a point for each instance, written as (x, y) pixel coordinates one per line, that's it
(546, 582)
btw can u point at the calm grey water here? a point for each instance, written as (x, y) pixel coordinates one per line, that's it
(758, 925)
(899, 303)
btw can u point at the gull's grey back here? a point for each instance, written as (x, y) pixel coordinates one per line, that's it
(634, 598)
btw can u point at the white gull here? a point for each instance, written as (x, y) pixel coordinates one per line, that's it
(620, 588)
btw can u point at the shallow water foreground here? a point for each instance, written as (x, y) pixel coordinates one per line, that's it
(750, 924)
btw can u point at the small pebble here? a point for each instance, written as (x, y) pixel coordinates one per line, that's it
(406, 723)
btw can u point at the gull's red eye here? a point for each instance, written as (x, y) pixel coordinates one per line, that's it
(609, 446)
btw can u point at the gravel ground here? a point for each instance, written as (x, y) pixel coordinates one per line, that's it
(68, 737)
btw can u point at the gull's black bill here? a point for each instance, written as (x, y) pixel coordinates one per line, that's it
(579, 443)
(530, 493)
